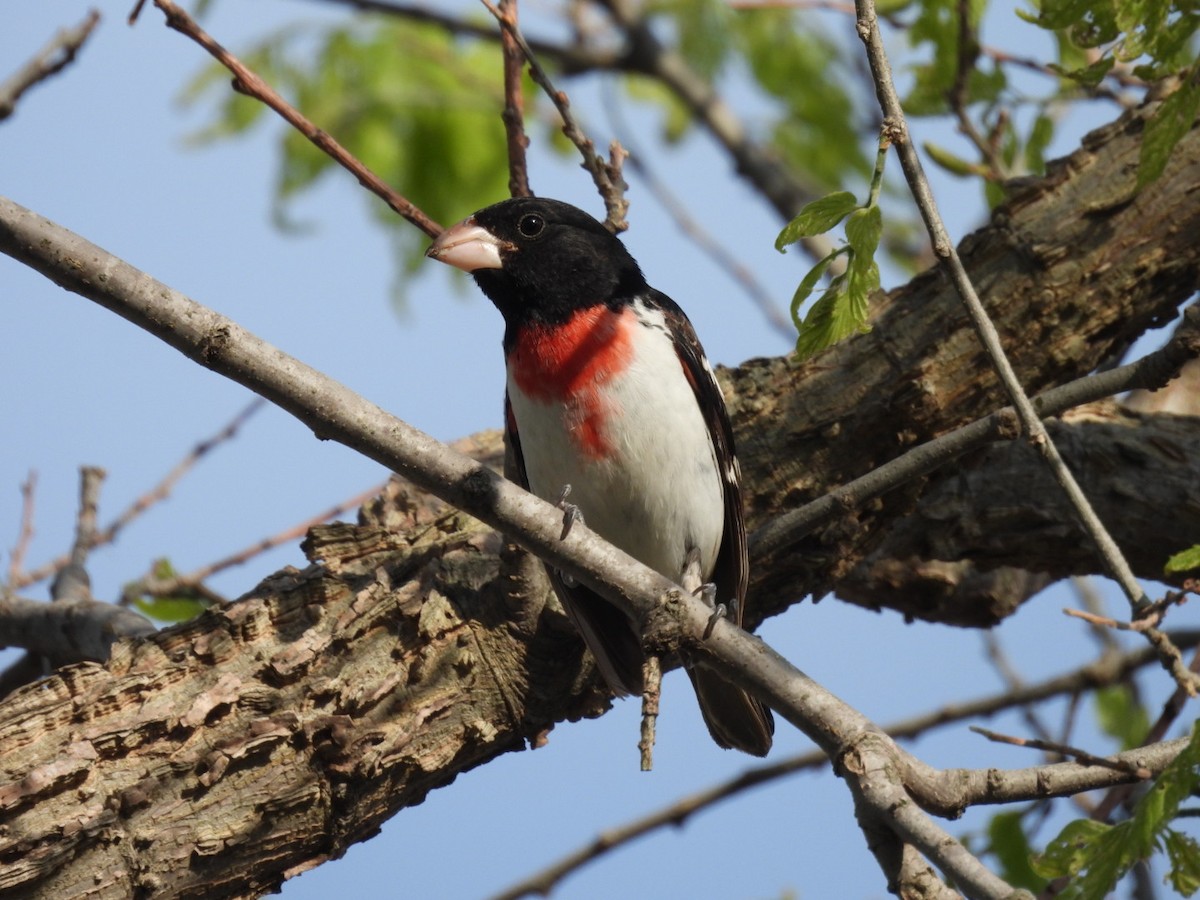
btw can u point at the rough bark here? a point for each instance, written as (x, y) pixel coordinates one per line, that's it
(220, 757)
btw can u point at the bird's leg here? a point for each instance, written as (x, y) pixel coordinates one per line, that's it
(706, 591)
(571, 512)
(571, 515)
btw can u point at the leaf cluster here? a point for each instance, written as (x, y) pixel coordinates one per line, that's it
(1096, 855)
(1155, 38)
(841, 310)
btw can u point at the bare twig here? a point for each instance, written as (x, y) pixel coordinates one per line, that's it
(1169, 655)
(959, 95)
(1003, 666)
(74, 626)
(606, 174)
(514, 103)
(16, 561)
(712, 248)
(249, 83)
(71, 585)
(1064, 750)
(156, 494)
(50, 60)
(651, 694)
(194, 580)
(897, 129)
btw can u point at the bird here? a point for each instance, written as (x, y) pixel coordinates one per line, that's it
(610, 398)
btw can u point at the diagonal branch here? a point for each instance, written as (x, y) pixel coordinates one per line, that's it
(896, 128)
(49, 61)
(249, 83)
(606, 174)
(514, 103)
(156, 494)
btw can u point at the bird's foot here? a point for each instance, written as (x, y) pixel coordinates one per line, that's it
(706, 591)
(571, 512)
(719, 610)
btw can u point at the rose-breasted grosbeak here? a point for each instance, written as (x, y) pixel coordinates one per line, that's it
(609, 392)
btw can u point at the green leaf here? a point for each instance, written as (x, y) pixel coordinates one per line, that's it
(1176, 783)
(1089, 75)
(863, 230)
(805, 77)
(953, 164)
(171, 609)
(1183, 561)
(1121, 716)
(1009, 844)
(1069, 852)
(1183, 854)
(830, 320)
(702, 30)
(807, 284)
(1170, 122)
(817, 217)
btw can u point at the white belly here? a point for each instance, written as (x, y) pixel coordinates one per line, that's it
(656, 491)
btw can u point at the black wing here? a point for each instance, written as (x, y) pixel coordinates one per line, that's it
(731, 571)
(735, 719)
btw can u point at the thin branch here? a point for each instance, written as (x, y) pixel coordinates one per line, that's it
(155, 495)
(959, 95)
(1152, 371)
(194, 580)
(606, 175)
(249, 83)
(1146, 625)
(975, 787)
(1065, 750)
(49, 61)
(711, 247)
(72, 585)
(67, 631)
(514, 103)
(647, 55)
(651, 695)
(74, 626)
(897, 129)
(16, 561)
(1001, 663)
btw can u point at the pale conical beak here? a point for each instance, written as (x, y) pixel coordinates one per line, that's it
(467, 246)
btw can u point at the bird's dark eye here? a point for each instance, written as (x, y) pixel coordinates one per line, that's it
(531, 225)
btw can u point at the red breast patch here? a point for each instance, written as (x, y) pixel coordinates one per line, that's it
(571, 363)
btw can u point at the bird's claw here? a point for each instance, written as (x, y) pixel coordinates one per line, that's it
(571, 512)
(720, 611)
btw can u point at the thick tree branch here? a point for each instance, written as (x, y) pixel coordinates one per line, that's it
(1153, 371)
(804, 429)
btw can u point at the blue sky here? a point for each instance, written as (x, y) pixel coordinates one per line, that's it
(100, 150)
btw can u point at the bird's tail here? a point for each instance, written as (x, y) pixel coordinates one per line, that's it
(735, 720)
